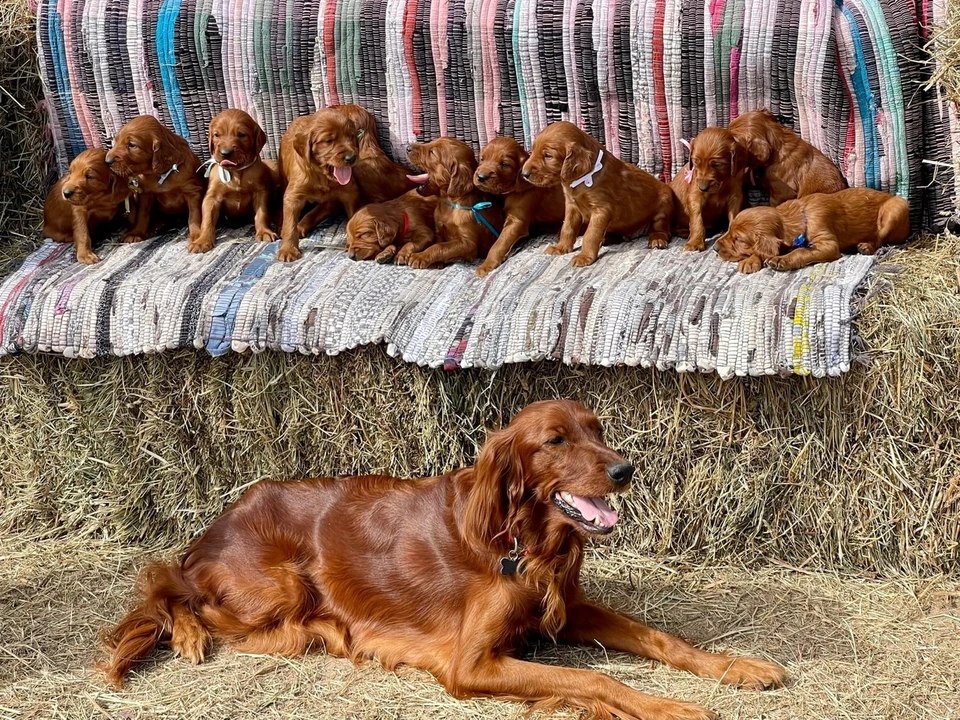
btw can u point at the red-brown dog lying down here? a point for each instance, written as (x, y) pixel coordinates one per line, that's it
(709, 189)
(378, 231)
(84, 200)
(792, 167)
(602, 191)
(241, 185)
(449, 574)
(161, 170)
(525, 206)
(814, 229)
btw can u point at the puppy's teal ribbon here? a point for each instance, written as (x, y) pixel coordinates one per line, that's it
(801, 240)
(475, 209)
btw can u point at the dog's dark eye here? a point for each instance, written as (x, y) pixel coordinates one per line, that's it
(241, 135)
(131, 146)
(503, 164)
(328, 141)
(548, 156)
(88, 176)
(558, 440)
(216, 134)
(716, 165)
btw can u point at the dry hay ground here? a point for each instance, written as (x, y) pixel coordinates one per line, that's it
(856, 648)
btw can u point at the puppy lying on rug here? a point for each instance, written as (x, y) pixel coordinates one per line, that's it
(82, 202)
(381, 230)
(815, 229)
(602, 192)
(449, 574)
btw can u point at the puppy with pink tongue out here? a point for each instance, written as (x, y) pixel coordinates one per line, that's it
(317, 155)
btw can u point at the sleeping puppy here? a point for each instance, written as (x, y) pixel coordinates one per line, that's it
(602, 191)
(378, 230)
(525, 206)
(467, 220)
(380, 179)
(317, 155)
(240, 184)
(815, 229)
(792, 167)
(161, 171)
(83, 201)
(709, 189)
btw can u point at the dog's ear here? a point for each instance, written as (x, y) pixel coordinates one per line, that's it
(259, 139)
(384, 236)
(521, 160)
(210, 130)
(303, 143)
(760, 149)
(497, 492)
(738, 160)
(461, 179)
(577, 163)
(164, 152)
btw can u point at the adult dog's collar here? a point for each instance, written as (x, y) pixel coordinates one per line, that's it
(587, 179)
(225, 176)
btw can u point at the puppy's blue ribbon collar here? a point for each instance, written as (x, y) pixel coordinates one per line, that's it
(475, 209)
(801, 240)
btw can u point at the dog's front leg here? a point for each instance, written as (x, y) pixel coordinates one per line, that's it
(507, 677)
(823, 248)
(593, 238)
(514, 230)
(572, 222)
(589, 624)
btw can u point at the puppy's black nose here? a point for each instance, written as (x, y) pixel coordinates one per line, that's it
(409, 147)
(226, 153)
(108, 160)
(67, 192)
(350, 159)
(526, 174)
(620, 473)
(704, 187)
(482, 177)
(352, 255)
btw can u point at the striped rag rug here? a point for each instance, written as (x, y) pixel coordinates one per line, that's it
(668, 309)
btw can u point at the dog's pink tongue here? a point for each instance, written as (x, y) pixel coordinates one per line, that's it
(595, 510)
(227, 163)
(343, 174)
(421, 179)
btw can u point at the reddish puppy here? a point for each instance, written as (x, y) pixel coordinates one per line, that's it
(709, 190)
(161, 171)
(377, 231)
(317, 155)
(525, 206)
(467, 221)
(449, 574)
(83, 201)
(791, 166)
(380, 179)
(240, 184)
(814, 229)
(602, 191)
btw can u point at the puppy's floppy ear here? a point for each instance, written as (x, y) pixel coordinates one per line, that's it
(210, 130)
(165, 153)
(461, 178)
(759, 148)
(521, 160)
(259, 138)
(384, 235)
(738, 159)
(497, 491)
(577, 163)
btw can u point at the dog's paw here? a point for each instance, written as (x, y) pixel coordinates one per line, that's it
(676, 710)
(750, 265)
(486, 268)
(778, 263)
(582, 260)
(557, 249)
(418, 261)
(288, 254)
(200, 245)
(386, 255)
(87, 257)
(866, 248)
(754, 674)
(266, 235)
(132, 238)
(657, 242)
(695, 245)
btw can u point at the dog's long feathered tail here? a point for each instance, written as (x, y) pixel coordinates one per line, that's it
(161, 588)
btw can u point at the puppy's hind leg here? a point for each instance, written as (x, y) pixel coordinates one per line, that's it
(893, 225)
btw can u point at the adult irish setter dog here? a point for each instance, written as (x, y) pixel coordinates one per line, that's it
(449, 574)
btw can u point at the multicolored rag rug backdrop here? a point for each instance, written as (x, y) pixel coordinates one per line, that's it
(640, 75)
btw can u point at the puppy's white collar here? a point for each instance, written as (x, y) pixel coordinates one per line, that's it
(164, 176)
(587, 180)
(225, 176)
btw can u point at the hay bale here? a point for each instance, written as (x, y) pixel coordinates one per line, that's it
(860, 472)
(24, 142)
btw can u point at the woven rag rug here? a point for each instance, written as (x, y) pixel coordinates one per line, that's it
(666, 309)
(640, 75)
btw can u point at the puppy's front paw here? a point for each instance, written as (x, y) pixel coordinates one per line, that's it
(778, 263)
(754, 674)
(558, 249)
(582, 260)
(750, 265)
(288, 253)
(266, 235)
(695, 245)
(487, 267)
(132, 238)
(658, 242)
(419, 261)
(200, 245)
(866, 248)
(386, 255)
(677, 710)
(87, 257)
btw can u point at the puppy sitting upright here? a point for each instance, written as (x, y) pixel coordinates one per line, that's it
(525, 206)
(378, 230)
(467, 221)
(709, 189)
(240, 184)
(161, 170)
(317, 155)
(380, 179)
(791, 166)
(83, 201)
(815, 229)
(602, 191)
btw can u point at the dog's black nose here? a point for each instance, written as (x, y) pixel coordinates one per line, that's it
(350, 159)
(482, 177)
(409, 147)
(108, 160)
(226, 153)
(704, 187)
(620, 473)
(352, 255)
(67, 192)
(526, 174)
